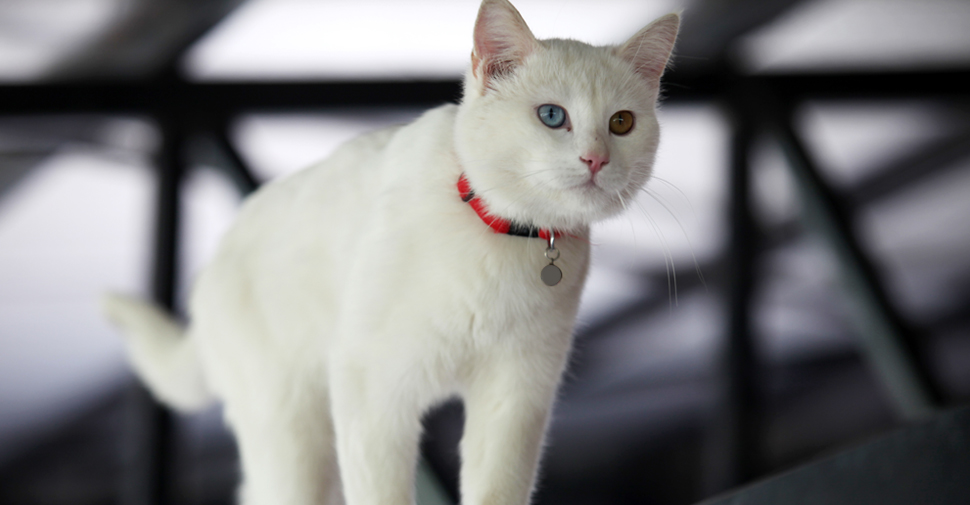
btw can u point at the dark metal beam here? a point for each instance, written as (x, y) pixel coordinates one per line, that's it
(239, 170)
(113, 96)
(217, 99)
(149, 474)
(889, 343)
(937, 85)
(214, 148)
(734, 454)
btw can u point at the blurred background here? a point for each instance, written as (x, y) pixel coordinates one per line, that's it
(795, 280)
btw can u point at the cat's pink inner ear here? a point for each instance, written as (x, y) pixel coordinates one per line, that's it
(502, 40)
(650, 48)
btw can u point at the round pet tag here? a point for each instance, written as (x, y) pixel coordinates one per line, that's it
(551, 275)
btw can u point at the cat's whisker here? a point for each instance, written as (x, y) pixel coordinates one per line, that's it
(633, 228)
(537, 172)
(678, 190)
(659, 198)
(690, 246)
(668, 255)
(619, 195)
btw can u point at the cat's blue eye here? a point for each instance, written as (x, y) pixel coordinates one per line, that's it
(551, 115)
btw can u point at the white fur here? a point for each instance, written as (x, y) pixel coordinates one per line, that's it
(351, 297)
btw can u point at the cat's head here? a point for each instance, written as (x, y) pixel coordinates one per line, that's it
(558, 133)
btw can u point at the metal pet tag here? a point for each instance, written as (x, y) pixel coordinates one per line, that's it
(551, 274)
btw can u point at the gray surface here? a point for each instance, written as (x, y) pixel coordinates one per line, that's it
(927, 464)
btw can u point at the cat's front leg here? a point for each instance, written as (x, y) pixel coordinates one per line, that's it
(377, 429)
(507, 408)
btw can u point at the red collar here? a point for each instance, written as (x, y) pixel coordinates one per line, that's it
(496, 223)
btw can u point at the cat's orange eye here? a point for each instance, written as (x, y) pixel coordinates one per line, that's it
(621, 122)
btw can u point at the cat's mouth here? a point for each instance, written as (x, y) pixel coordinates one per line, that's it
(592, 192)
(594, 195)
(590, 184)
(599, 194)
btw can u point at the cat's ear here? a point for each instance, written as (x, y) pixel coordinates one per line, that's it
(650, 48)
(502, 41)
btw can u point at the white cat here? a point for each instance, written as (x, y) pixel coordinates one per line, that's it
(352, 296)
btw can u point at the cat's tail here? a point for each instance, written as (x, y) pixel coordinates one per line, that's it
(163, 355)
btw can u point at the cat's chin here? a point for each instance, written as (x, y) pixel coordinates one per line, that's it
(598, 200)
(587, 205)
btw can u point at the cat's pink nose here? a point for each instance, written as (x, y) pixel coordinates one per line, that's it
(595, 161)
